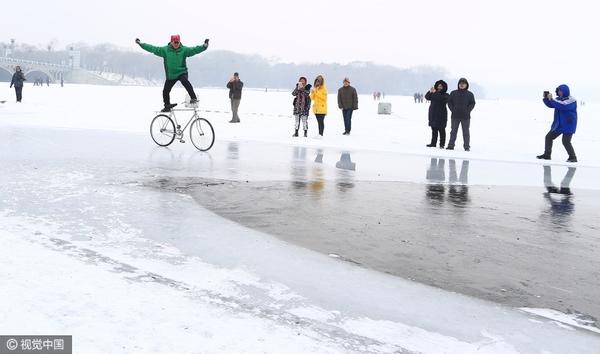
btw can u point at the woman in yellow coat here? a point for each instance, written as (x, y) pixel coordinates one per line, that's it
(318, 96)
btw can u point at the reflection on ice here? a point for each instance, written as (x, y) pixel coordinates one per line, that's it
(458, 190)
(345, 162)
(560, 199)
(345, 172)
(233, 150)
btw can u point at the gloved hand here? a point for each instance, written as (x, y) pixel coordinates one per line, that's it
(137, 40)
(206, 42)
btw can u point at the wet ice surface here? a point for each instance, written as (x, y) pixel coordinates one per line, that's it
(472, 227)
(517, 245)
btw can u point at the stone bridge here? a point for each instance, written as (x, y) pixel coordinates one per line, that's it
(54, 71)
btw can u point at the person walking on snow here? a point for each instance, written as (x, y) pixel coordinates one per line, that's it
(235, 86)
(174, 56)
(565, 121)
(301, 105)
(461, 102)
(438, 113)
(17, 82)
(347, 102)
(318, 95)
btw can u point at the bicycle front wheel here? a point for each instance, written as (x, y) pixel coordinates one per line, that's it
(202, 134)
(162, 130)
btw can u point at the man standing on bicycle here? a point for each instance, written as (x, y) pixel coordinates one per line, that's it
(174, 56)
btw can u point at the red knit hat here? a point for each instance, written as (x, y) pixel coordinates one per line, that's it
(175, 38)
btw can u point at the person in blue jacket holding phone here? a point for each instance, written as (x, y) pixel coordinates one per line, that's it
(565, 121)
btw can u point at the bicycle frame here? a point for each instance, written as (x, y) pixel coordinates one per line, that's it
(179, 132)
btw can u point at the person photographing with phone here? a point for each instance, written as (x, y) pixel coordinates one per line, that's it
(174, 56)
(301, 105)
(565, 121)
(235, 86)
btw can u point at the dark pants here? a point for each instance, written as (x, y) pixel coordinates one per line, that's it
(347, 113)
(465, 123)
(183, 78)
(434, 136)
(566, 140)
(19, 92)
(321, 121)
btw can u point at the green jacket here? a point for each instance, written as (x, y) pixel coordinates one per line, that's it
(174, 59)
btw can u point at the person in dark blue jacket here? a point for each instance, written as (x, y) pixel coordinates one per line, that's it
(565, 122)
(17, 82)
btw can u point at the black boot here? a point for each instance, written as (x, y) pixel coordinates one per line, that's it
(306, 133)
(168, 107)
(543, 156)
(430, 145)
(295, 133)
(572, 159)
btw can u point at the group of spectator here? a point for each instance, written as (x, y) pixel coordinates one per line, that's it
(378, 95)
(462, 101)
(418, 97)
(40, 82)
(316, 94)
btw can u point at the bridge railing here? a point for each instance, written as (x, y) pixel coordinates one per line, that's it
(33, 62)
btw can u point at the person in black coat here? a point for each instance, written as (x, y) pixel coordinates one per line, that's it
(438, 113)
(461, 102)
(17, 82)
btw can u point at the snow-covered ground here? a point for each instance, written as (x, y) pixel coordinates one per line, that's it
(500, 130)
(87, 249)
(126, 80)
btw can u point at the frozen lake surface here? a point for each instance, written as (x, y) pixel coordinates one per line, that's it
(316, 246)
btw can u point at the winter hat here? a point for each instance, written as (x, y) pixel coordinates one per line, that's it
(443, 83)
(302, 78)
(175, 38)
(463, 80)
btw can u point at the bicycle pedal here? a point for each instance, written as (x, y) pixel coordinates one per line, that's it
(182, 141)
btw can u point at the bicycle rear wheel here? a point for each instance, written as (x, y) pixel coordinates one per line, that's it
(162, 130)
(202, 134)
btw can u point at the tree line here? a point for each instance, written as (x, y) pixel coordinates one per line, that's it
(214, 67)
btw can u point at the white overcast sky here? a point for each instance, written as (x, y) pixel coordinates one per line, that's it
(496, 43)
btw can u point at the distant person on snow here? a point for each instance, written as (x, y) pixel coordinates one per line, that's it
(347, 102)
(301, 105)
(318, 95)
(438, 113)
(235, 86)
(565, 121)
(174, 55)
(461, 102)
(17, 82)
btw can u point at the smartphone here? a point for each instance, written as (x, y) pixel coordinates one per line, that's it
(546, 93)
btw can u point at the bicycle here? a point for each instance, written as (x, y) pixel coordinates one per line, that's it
(165, 128)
